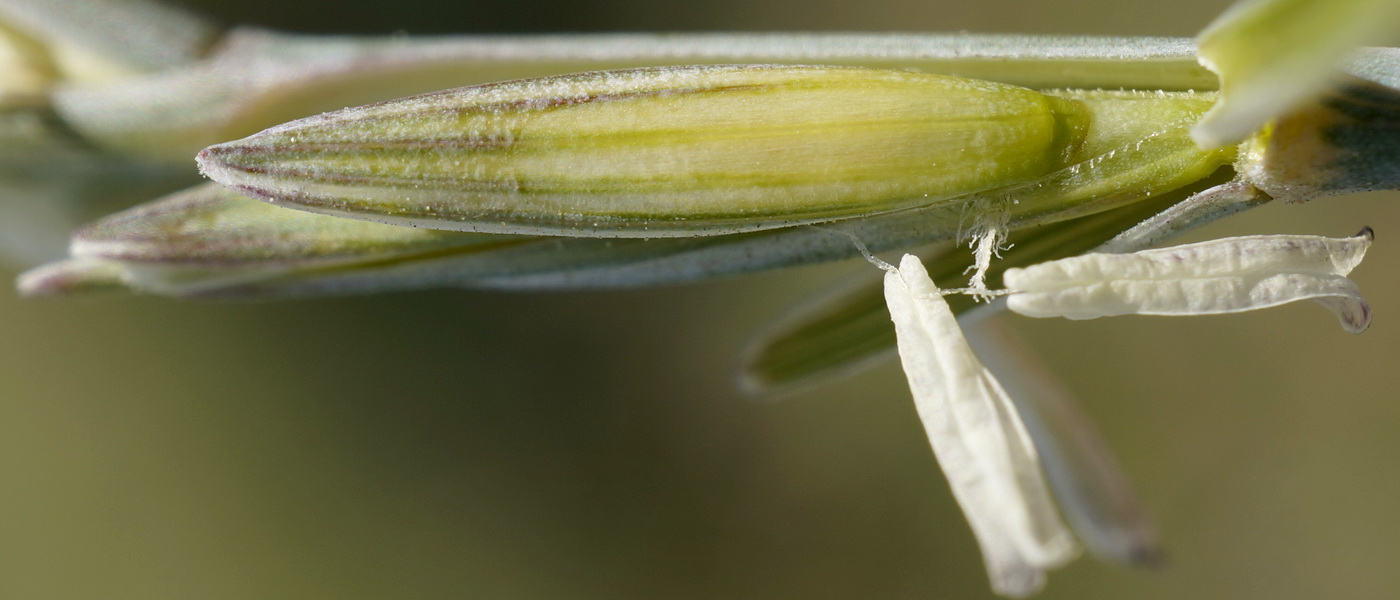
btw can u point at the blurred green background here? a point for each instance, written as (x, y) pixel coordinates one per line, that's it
(591, 445)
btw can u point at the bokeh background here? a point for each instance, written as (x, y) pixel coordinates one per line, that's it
(591, 445)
